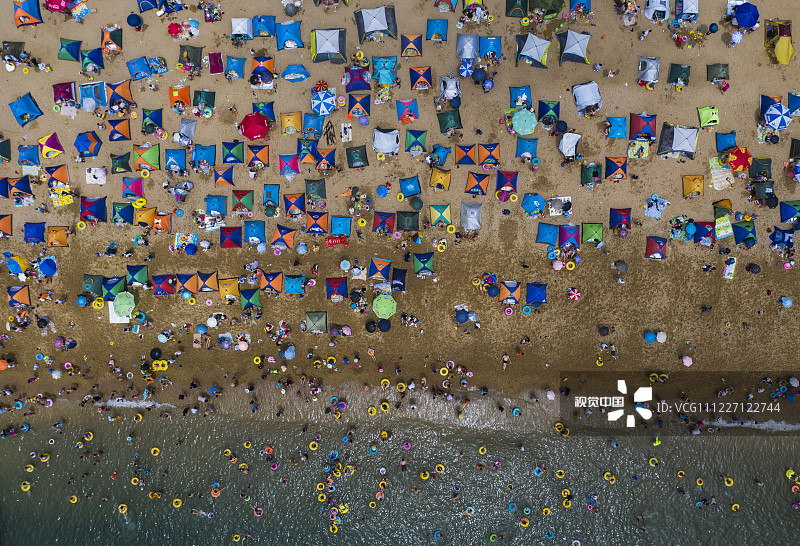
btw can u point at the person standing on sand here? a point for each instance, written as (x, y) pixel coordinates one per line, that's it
(506, 360)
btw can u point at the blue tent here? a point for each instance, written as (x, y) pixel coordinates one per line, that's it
(793, 103)
(235, 65)
(266, 109)
(230, 237)
(145, 5)
(619, 127)
(170, 6)
(204, 154)
(255, 231)
(138, 68)
(27, 12)
(536, 294)
(726, 142)
(294, 285)
(92, 59)
(526, 146)
(547, 234)
(264, 26)
(34, 232)
(271, 194)
(534, 204)
(71, 49)
(28, 154)
(522, 95)
(704, 230)
(133, 273)
(312, 124)
(410, 186)
(766, 102)
(113, 286)
(175, 158)
(295, 73)
(336, 286)
(88, 144)
(782, 237)
(744, 232)
(384, 69)
(340, 225)
(93, 209)
(437, 30)
(490, 46)
(216, 204)
(25, 109)
(440, 153)
(288, 35)
(317, 223)
(123, 213)
(619, 218)
(423, 264)
(95, 91)
(789, 210)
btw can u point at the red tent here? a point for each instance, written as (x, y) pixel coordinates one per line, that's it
(255, 126)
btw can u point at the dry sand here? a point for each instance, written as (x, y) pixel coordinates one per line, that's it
(657, 295)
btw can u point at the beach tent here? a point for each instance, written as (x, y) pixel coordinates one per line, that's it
(790, 211)
(336, 286)
(423, 265)
(28, 155)
(648, 69)
(520, 97)
(449, 87)
(283, 237)
(532, 50)
(271, 282)
(794, 150)
(357, 79)
(784, 238)
(399, 280)
(657, 10)
(152, 120)
(677, 138)
(778, 40)
(471, 214)
(591, 233)
(709, 116)
(761, 166)
(436, 30)
(619, 218)
(255, 231)
(138, 68)
(27, 12)
(56, 175)
(379, 269)
(241, 28)
(295, 203)
(216, 204)
(591, 174)
(119, 129)
(386, 141)
(449, 121)
(548, 8)
(327, 160)
(5, 150)
(33, 233)
(692, 186)
(242, 200)
(132, 188)
(407, 111)
(587, 98)
(445, 5)
(175, 159)
(6, 226)
(383, 222)
(490, 47)
(618, 129)
(17, 186)
(655, 248)
(466, 155)
(384, 69)
(440, 179)
(120, 92)
(288, 35)
(510, 292)
(229, 289)
(250, 297)
(146, 158)
(207, 282)
(527, 147)
(295, 73)
(328, 45)
(549, 112)
(69, 50)
(793, 103)
(291, 123)
(477, 183)
(145, 217)
(568, 234)
(421, 78)
(517, 8)
(357, 157)
(230, 237)
(315, 189)
(489, 154)
(266, 109)
(767, 102)
(744, 233)
(536, 294)
(572, 46)
(92, 284)
(440, 213)
(233, 152)
(137, 275)
(263, 26)
(204, 155)
(407, 220)
(294, 285)
(92, 61)
(467, 46)
(307, 150)
(358, 105)
(705, 233)
(317, 321)
(18, 296)
(533, 204)
(93, 209)
(111, 41)
(88, 144)
(289, 166)
(568, 145)
(679, 74)
(50, 146)
(93, 95)
(687, 10)
(25, 109)
(376, 22)
(717, 72)
(411, 45)
(163, 285)
(113, 286)
(416, 142)
(340, 225)
(506, 181)
(643, 127)
(616, 168)
(317, 223)
(234, 67)
(123, 213)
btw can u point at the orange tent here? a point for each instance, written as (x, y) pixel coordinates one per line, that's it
(190, 283)
(162, 223)
(180, 94)
(57, 236)
(6, 224)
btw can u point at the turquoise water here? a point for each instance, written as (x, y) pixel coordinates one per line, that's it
(293, 515)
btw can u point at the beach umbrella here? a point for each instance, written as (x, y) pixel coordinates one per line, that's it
(713, 28)
(489, 278)
(162, 338)
(558, 265)
(323, 102)
(794, 382)
(739, 159)
(462, 316)
(623, 233)
(661, 337)
(134, 20)
(604, 330)
(561, 126)
(620, 265)
(370, 326)
(242, 346)
(384, 325)
(124, 304)
(746, 15)
(687, 361)
(226, 344)
(649, 337)
(42, 322)
(736, 38)
(488, 85)
(574, 294)
(254, 126)
(551, 395)
(778, 117)
(201, 329)
(3, 364)
(155, 352)
(289, 353)
(174, 29)
(479, 76)
(56, 374)
(363, 120)
(211, 322)
(786, 302)
(753, 269)
(466, 68)
(524, 121)
(191, 249)
(81, 301)
(17, 265)
(347, 331)
(344, 265)
(261, 248)
(455, 102)
(493, 291)
(58, 342)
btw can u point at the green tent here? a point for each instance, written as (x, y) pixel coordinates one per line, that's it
(722, 208)
(250, 298)
(550, 8)
(93, 284)
(242, 198)
(236, 151)
(591, 174)
(113, 286)
(124, 304)
(5, 150)
(407, 221)
(423, 264)
(140, 276)
(517, 8)
(591, 233)
(204, 97)
(449, 120)
(709, 116)
(760, 166)
(315, 189)
(763, 190)
(121, 163)
(794, 150)
(150, 155)
(383, 306)
(316, 322)
(717, 71)
(357, 157)
(151, 120)
(679, 74)
(69, 51)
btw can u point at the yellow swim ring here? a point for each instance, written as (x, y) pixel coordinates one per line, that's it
(372, 411)
(545, 511)
(567, 503)
(482, 450)
(451, 229)
(247, 444)
(122, 508)
(73, 499)
(155, 452)
(81, 225)
(440, 468)
(570, 265)
(177, 503)
(322, 497)
(313, 446)
(25, 486)
(145, 173)
(384, 406)
(443, 371)
(653, 461)
(30, 468)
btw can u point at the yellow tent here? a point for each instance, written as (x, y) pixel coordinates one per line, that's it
(57, 236)
(692, 186)
(440, 179)
(229, 287)
(784, 50)
(291, 123)
(148, 216)
(778, 39)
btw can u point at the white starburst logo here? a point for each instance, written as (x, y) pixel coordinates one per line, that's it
(642, 394)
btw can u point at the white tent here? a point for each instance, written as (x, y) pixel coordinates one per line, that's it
(648, 69)
(688, 11)
(242, 27)
(657, 9)
(684, 139)
(569, 144)
(587, 95)
(328, 45)
(467, 46)
(573, 46)
(532, 49)
(386, 141)
(471, 215)
(374, 20)
(449, 87)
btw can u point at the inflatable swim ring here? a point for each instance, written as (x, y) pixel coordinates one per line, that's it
(177, 503)
(122, 508)
(545, 511)
(155, 452)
